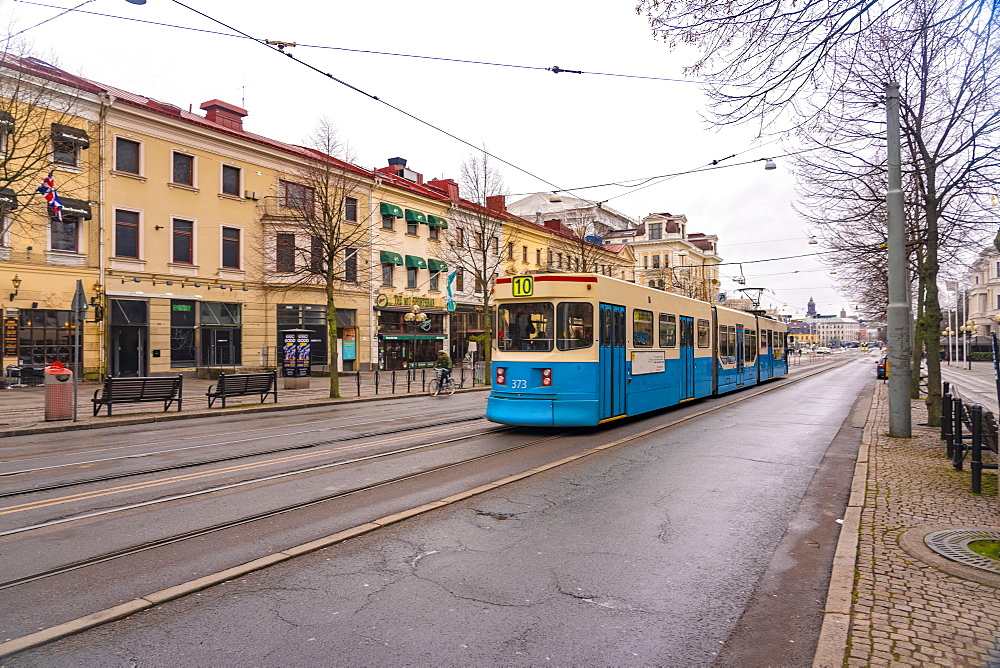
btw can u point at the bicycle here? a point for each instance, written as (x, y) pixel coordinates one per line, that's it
(436, 388)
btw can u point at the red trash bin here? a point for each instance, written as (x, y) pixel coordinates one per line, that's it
(58, 392)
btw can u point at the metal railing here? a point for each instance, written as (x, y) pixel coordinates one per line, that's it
(982, 431)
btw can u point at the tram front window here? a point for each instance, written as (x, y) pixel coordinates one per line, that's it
(525, 327)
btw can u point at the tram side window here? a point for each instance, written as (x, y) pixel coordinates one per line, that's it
(704, 334)
(642, 328)
(526, 327)
(575, 324)
(668, 330)
(779, 345)
(727, 344)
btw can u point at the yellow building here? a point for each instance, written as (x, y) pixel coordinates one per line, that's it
(49, 126)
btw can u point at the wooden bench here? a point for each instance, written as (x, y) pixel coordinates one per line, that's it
(244, 384)
(136, 390)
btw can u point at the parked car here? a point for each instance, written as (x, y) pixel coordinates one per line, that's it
(882, 368)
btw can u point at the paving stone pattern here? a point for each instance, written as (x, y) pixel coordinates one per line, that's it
(908, 613)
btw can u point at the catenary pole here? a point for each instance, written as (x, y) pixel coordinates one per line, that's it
(899, 300)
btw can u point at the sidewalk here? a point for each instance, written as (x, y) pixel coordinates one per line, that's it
(893, 601)
(22, 409)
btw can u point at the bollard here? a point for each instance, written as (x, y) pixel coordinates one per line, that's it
(977, 449)
(957, 447)
(947, 410)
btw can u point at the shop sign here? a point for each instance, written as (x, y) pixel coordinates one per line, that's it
(384, 300)
(10, 337)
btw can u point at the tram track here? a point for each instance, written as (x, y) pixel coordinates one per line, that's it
(395, 429)
(222, 526)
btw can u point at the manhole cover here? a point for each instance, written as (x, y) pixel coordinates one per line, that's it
(954, 544)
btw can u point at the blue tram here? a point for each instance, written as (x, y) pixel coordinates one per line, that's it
(582, 349)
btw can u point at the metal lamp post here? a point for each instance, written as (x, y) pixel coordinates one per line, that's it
(414, 319)
(968, 328)
(948, 333)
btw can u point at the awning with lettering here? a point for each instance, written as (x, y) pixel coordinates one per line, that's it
(388, 257)
(415, 216)
(75, 207)
(387, 209)
(436, 265)
(70, 134)
(414, 261)
(8, 199)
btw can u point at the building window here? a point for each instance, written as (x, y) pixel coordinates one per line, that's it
(559, 260)
(183, 351)
(510, 251)
(284, 257)
(435, 281)
(388, 222)
(351, 209)
(296, 195)
(538, 256)
(231, 180)
(459, 236)
(183, 169)
(183, 241)
(65, 234)
(126, 233)
(524, 253)
(387, 274)
(655, 231)
(126, 155)
(656, 262)
(317, 255)
(411, 277)
(351, 265)
(495, 244)
(432, 233)
(411, 226)
(460, 280)
(66, 144)
(230, 248)
(549, 256)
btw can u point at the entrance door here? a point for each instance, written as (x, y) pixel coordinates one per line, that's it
(128, 351)
(740, 356)
(612, 361)
(686, 371)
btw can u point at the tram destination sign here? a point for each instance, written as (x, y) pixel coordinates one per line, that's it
(522, 286)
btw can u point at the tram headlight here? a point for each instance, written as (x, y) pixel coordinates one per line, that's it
(546, 377)
(501, 375)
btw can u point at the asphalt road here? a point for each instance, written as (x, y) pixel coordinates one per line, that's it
(667, 549)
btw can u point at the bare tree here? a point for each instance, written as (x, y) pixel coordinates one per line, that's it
(478, 252)
(317, 232)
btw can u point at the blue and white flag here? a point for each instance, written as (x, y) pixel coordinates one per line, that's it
(451, 295)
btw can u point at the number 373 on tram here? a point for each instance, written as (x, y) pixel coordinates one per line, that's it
(583, 349)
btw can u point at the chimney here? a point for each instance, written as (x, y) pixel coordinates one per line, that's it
(497, 203)
(448, 186)
(225, 114)
(397, 162)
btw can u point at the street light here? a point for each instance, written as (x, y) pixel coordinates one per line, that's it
(414, 320)
(948, 333)
(969, 327)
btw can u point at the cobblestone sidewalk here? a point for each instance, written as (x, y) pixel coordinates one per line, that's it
(906, 610)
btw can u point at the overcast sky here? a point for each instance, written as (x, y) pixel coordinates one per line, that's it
(556, 130)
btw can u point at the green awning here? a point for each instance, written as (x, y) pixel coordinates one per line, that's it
(416, 216)
(8, 199)
(436, 265)
(387, 209)
(388, 257)
(436, 221)
(414, 261)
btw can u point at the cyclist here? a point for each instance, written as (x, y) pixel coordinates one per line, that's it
(443, 362)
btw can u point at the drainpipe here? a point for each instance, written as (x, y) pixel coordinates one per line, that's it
(372, 322)
(102, 327)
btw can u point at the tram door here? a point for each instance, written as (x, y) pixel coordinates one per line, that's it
(686, 379)
(740, 356)
(612, 361)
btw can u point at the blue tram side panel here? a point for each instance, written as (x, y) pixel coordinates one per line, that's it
(582, 349)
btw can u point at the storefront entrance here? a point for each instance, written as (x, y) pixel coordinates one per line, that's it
(129, 337)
